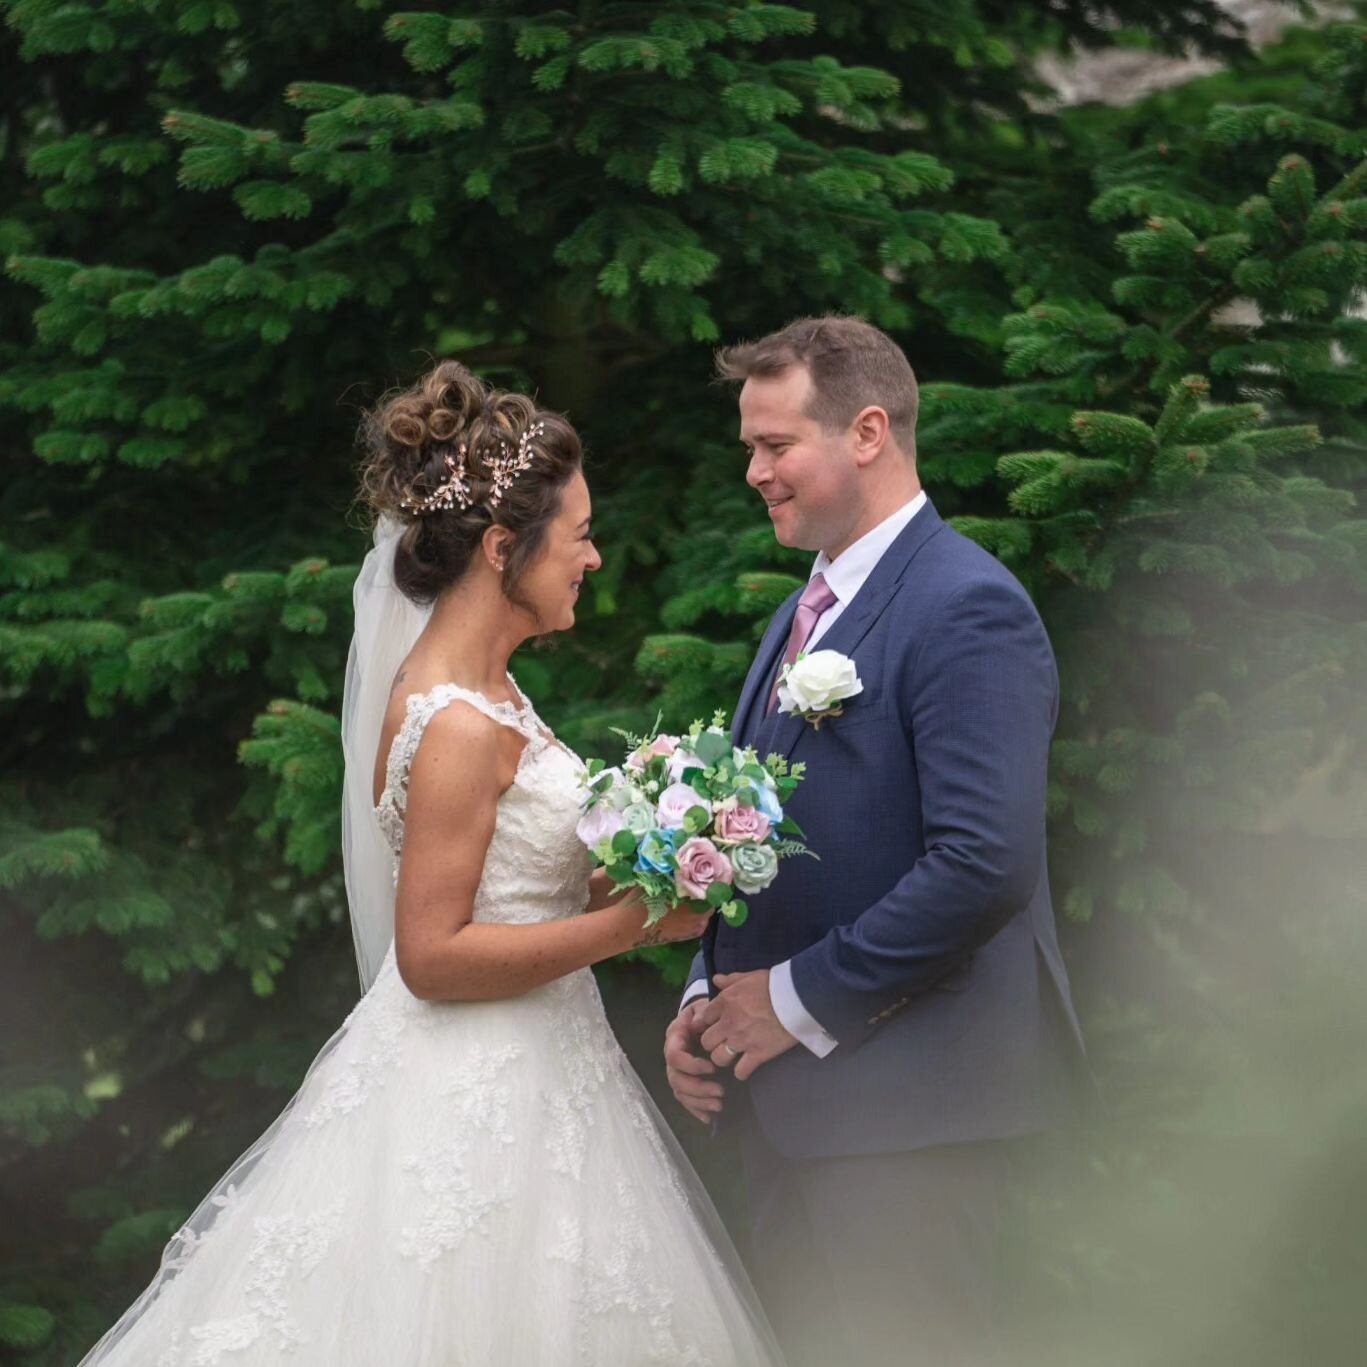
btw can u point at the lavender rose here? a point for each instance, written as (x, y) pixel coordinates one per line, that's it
(601, 823)
(701, 864)
(675, 802)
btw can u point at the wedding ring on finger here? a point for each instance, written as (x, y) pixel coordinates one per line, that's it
(731, 1054)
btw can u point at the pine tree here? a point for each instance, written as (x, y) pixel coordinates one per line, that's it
(227, 226)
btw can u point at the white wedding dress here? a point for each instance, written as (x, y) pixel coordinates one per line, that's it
(461, 1184)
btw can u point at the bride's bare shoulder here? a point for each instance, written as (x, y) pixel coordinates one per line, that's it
(461, 746)
(458, 735)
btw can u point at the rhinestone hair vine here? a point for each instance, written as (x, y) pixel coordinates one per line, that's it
(455, 488)
(507, 465)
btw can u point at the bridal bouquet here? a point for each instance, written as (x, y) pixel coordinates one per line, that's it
(691, 819)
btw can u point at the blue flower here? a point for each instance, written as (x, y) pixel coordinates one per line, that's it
(766, 800)
(656, 852)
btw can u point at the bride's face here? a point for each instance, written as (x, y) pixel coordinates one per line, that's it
(552, 583)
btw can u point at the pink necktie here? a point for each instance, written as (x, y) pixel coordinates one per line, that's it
(816, 599)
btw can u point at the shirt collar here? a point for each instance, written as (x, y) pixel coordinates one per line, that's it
(845, 575)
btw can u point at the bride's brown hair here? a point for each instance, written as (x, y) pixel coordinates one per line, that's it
(414, 437)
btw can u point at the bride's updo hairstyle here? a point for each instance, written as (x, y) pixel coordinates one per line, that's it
(450, 458)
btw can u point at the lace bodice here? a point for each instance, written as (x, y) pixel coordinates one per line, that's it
(536, 869)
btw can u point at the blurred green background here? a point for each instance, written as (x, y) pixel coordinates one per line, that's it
(1124, 246)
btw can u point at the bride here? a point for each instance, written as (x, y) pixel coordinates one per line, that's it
(470, 1175)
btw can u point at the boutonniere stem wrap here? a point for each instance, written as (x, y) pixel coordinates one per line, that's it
(816, 686)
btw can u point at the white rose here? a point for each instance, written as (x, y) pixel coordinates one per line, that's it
(818, 682)
(639, 819)
(602, 823)
(680, 760)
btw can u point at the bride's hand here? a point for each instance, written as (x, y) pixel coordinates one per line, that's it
(679, 924)
(603, 892)
(673, 926)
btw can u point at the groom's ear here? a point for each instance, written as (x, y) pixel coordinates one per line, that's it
(869, 430)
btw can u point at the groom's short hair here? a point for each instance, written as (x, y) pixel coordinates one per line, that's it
(852, 364)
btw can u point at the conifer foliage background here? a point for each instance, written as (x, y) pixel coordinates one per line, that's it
(229, 227)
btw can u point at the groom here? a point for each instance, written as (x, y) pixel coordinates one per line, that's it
(899, 1011)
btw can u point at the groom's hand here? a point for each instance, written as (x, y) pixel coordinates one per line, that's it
(741, 1027)
(689, 1071)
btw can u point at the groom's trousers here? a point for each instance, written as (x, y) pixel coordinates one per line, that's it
(881, 1260)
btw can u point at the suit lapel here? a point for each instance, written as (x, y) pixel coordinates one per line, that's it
(865, 609)
(754, 693)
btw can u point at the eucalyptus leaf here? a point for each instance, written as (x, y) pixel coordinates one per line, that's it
(718, 894)
(710, 747)
(696, 819)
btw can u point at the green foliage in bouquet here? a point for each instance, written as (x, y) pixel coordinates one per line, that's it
(641, 821)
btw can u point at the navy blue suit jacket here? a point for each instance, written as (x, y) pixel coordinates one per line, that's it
(923, 940)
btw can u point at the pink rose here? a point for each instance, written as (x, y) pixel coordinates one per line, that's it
(675, 802)
(660, 746)
(701, 864)
(603, 822)
(736, 824)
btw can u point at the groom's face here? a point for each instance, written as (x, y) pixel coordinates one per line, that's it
(807, 475)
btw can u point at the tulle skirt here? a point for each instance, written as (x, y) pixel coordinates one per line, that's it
(455, 1185)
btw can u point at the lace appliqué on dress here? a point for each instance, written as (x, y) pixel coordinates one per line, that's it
(479, 1112)
(618, 1281)
(369, 1052)
(285, 1249)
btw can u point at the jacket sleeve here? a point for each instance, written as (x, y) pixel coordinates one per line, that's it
(982, 700)
(696, 984)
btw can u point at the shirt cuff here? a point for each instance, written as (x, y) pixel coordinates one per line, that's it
(791, 1013)
(697, 988)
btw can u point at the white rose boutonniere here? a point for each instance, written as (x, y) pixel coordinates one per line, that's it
(815, 687)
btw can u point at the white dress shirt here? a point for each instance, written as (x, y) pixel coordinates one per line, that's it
(845, 576)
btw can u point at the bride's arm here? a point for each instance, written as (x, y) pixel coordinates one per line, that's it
(458, 774)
